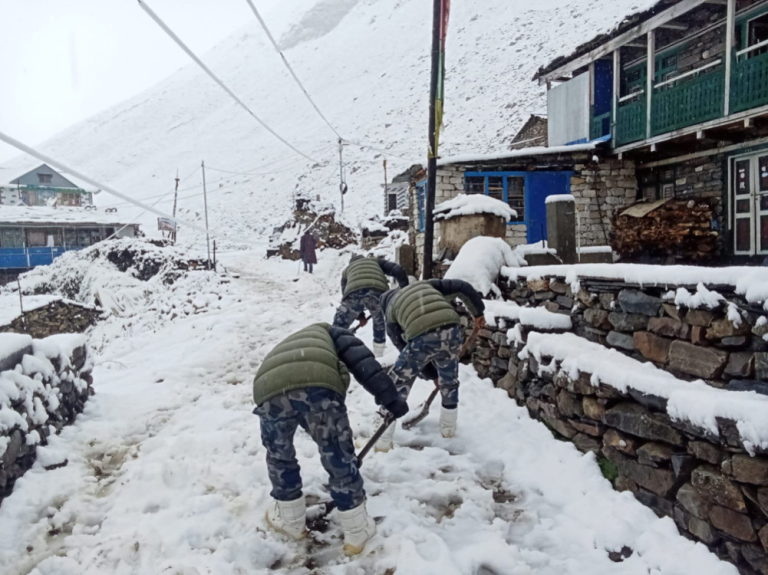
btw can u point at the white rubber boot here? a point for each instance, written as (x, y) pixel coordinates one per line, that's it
(379, 348)
(448, 419)
(358, 529)
(386, 441)
(289, 517)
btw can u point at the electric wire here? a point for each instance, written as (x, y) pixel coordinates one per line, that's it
(216, 79)
(290, 68)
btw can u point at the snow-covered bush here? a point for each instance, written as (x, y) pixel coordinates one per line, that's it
(480, 261)
(467, 205)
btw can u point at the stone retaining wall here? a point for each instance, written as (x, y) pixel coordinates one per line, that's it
(714, 490)
(44, 384)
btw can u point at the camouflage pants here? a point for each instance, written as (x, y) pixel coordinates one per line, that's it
(440, 347)
(355, 304)
(323, 415)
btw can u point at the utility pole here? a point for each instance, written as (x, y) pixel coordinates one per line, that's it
(205, 202)
(429, 223)
(175, 197)
(342, 185)
(386, 191)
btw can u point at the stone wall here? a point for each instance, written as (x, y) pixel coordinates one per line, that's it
(714, 490)
(45, 385)
(57, 317)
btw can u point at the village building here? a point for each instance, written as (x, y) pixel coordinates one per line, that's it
(44, 186)
(669, 110)
(32, 237)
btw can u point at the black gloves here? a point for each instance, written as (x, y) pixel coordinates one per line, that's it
(397, 408)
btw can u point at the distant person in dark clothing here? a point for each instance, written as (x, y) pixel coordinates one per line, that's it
(307, 251)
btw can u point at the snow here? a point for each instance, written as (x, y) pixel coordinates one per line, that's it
(702, 298)
(695, 401)
(508, 154)
(558, 198)
(750, 282)
(532, 317)
(480, 260)
(472, 204)
(595, 250)
(166, 471)
(10, 305)
(45, 215)
(11, 343)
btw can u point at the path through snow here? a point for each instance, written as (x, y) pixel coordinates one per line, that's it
(166, 471)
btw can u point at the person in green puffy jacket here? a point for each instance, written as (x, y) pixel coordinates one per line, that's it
(423, 324)
(303, 382)
(362, 283)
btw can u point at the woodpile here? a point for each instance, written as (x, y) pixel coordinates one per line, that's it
(671, 230)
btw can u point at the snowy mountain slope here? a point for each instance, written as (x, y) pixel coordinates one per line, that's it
(366, 64)
(166, 473)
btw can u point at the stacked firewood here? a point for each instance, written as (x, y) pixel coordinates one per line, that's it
(679, 229)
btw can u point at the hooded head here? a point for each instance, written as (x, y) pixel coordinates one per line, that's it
(355, 257)
(386, 299)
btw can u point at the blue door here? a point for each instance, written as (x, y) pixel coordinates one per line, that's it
(540, 185)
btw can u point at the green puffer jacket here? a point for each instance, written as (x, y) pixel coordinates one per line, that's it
(420, 308)
(308, 358)
(364, 273)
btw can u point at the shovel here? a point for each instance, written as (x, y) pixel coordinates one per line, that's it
(425, 410)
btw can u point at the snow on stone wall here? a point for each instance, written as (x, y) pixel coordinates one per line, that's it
(44, 384)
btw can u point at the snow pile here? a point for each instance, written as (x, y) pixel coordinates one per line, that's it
(480, 260)
(387, 247)
(702, 298)
(10, 306)
(557, 198)
(695, 401)
(750, 282)
(537, 318)
(472, 204)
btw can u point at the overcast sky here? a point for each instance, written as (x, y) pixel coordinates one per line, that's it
(64, 60)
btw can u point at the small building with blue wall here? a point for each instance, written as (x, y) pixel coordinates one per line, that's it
(31, 237)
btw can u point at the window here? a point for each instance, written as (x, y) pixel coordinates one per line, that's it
(391, 202)
(69, 199)
(44, 178)
(11, 238)
(501, 186)
(757, 33)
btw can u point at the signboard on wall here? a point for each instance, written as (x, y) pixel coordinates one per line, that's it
(166, 225)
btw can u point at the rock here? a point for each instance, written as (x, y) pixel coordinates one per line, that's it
(483, 353)
(564, 301)
(652, 346)
(597, 317)
(485, 334)
(593, 408)
(499, 363)
(706, 452)
(740, 364)
(550, 306)
(585, 297)
(752, 470)
(508, 383)
(624, 483)
(692, 429)
(505, 353)
(671, 310)
(652, 402)
(756, 558)
(668, 327)
(718, 488)
(604, 391)
(762, 329)
(588, 427)
(693, 502)
(499, 338)
(620, 340)
(585, 443)
(658, 481)
(763, 536)
(724, 327)
(569, 405)
(701, 530)
(699, 317)
(658, 503)
(699, 335)
(655, 452)
(735, 342)
(683, 464)
(761, 366)
(538, 285)
(634, 301)
(607, 300)
(634, 419)
(734, 524)
(545, 295)
(559, 425)
(627, 322)
(559, 287)
(620, 442)
(581, 385)
(701, 362)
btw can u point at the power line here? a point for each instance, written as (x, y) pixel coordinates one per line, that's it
(61, 166)
(290, 69)
(215, 78)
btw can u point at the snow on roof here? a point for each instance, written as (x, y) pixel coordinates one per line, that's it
(45, 215)
(557, 198)
(466, 205)
(66, 175)
(751, 282)
(507, 154)
(534, 317)
(480, 260)
(693, 401)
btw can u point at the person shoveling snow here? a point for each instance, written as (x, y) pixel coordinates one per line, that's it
(362, 283)
(424, 326)
(303, 382)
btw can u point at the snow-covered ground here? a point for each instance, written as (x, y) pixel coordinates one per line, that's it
(166, 471)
